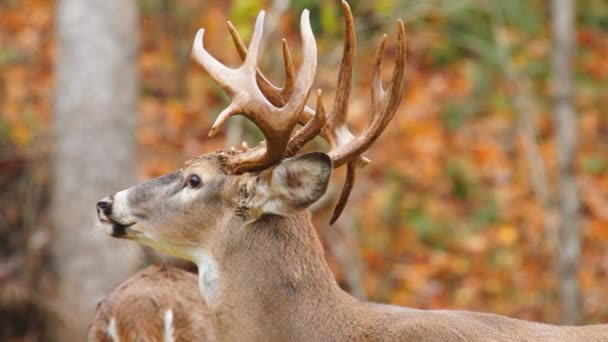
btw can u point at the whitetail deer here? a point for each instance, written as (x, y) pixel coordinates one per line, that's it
(155, 304)
(241, 215)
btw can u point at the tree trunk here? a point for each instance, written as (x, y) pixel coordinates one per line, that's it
(569, 249)
(95, 117)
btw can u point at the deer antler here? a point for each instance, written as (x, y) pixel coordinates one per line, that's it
(345, 148)
(275, 121)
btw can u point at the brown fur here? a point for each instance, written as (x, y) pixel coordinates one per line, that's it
(138, 306)
(278, 287)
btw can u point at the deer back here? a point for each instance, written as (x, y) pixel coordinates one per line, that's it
(155, 304)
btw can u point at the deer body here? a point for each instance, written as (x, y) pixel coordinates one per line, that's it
(241, 215)
(297, 299)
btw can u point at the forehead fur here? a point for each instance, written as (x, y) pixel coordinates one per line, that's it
(210, 162)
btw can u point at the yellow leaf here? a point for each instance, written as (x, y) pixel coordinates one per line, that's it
(507, 235)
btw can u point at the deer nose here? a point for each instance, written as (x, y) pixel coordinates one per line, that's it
(105, 206)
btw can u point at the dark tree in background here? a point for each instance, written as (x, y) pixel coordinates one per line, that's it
(95, 121)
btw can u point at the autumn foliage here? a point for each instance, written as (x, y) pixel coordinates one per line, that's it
(445, 216)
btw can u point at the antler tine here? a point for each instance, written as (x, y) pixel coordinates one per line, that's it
(277, 96)
(307, 71)
(349, 182)
(241, 79)
(309, 131)
(289, 70)
(275, 122)
(377, 88)
(381, 104)
(340, 108)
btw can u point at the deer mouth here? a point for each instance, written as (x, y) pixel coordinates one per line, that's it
(120, 230)
(117, 229)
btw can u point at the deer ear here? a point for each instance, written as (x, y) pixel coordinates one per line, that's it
(292, 185)
(300, 181)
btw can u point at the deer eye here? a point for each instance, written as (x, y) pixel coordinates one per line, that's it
(194, 181)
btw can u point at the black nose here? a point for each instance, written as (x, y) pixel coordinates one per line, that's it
(105, 206)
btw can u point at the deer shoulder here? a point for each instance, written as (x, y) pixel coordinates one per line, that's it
(155, 304)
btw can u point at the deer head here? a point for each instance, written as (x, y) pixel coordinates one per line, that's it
(184, 208)
(178, 212)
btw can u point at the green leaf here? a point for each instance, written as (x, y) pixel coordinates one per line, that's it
(595, 165)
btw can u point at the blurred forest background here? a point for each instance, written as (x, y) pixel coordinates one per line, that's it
(460, 207)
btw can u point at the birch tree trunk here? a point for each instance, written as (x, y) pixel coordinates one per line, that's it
(95, 115)
(569, 248)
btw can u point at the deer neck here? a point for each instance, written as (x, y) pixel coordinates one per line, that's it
(269, 279)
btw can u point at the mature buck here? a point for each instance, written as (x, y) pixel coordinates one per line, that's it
(241, 215)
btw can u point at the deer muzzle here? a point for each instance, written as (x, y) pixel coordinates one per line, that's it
(104, 214)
